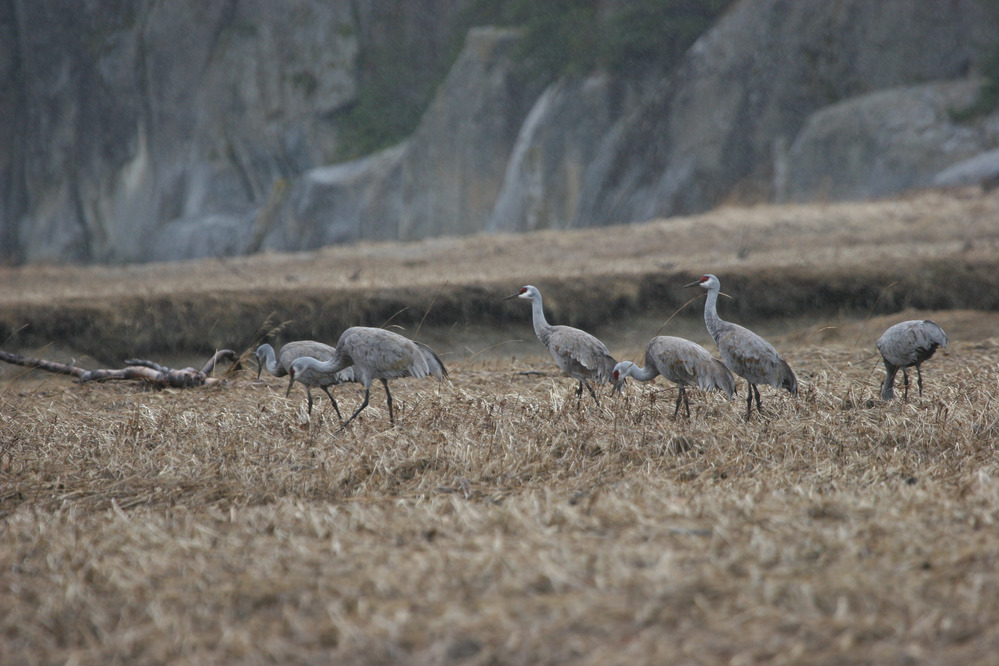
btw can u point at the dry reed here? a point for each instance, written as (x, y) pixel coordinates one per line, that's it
(504, 521)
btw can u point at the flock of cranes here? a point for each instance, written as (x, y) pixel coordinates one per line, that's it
(364, 354)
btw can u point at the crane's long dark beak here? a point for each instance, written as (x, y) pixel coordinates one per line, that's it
(515, 295)
(259, 368)
(692, 284)
(291, 381)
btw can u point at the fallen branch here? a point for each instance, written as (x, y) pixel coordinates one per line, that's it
(148, 371)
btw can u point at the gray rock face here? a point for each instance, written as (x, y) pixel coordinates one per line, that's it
(126, 121)
(143, 113)
(134, 130)
(444, 180)
(454, 166)
(356, 200)
(562, 134)
(751, 82)
(981, 169)
(884, 142)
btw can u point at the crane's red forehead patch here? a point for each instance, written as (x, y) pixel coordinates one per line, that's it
(704, 279)
(523, 290)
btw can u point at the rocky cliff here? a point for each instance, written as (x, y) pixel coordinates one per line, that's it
(136, 131)
(133, 129)
(718, 129)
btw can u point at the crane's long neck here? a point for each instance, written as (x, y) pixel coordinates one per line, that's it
(642, 374)
(712, 321)
(541, 325)
(332, 366)
(270, 362)
(273, 366)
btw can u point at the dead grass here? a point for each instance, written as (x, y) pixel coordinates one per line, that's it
(501, 521)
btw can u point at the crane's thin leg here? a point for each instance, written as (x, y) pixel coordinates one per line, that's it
(759, 406)
(308, 392)
(749, 401)
(579, 390)
(590, 388)
(367, 394)
(388, 394)
(919, 379)
(679, 397)
(334, 403)
(888, 388)
(905, 376)
(686, 403)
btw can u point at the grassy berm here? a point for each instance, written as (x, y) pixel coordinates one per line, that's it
(502, 520)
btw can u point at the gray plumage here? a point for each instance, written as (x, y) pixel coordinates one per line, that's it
(376, 354)
(682, 362)
(577, 353)
(908, 344)
(744, 352)
(279, 364)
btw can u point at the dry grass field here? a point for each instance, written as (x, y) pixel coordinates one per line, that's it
(503, 521)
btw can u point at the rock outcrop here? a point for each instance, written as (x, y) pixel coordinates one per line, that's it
(443, 180)
(128, 127)
(885, 142)
(747, 87)
(135, 131)
(560, 138)
(137, 114)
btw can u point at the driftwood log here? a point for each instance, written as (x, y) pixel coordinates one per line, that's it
(148, 371)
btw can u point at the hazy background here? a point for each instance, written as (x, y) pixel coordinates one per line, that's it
(133, 131)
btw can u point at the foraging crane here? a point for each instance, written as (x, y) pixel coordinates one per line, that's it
(310, 376)
(280, 365)
(577, 353)
(744, 352)
(682, 362)
(375, 354)
(908, 344)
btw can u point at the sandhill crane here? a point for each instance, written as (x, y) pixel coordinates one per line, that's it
(908, 344)
(375, 354)
(682, 362)
(744, 352)
(279, 365)
(577, 353)
(310, 376)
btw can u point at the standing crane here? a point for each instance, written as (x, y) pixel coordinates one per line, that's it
(577, 353)
(375, 354)
(280, 364)
(908, 344)
(744, 352)
(682, 362)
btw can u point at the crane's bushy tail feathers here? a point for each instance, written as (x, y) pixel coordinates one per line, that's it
(719, 378)
(434, 362)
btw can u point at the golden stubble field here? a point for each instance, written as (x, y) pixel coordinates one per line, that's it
(502, 521)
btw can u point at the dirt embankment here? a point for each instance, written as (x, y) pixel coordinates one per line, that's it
(799, 265)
